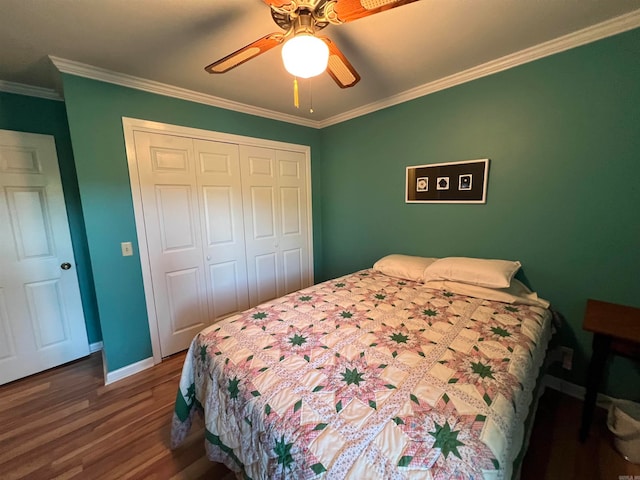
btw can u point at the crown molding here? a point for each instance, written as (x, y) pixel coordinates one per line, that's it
(103, 75)
(587, 35)
(29, 90)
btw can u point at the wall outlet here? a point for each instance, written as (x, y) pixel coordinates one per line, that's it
(127, 249)
(567, 358)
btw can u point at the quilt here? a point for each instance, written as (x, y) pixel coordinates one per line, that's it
(365, 377)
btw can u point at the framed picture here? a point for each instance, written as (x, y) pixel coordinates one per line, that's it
(442, 183)
(466, 182)
(453, 182)
(422, 184)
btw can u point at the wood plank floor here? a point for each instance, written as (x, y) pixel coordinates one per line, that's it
(65, 424)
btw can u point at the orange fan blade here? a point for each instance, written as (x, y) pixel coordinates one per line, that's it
(349, 10)
(277, 3)
(245, 53)
(339, 67)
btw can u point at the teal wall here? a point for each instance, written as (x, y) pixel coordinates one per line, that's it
(563, 136)
(36, 115)
(95, 112)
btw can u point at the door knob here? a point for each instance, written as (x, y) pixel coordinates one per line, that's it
(65, 266)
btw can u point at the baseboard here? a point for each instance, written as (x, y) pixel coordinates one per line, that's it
(95, 347)
(127, 371)
(573, 390)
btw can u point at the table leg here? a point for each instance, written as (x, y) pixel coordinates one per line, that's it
(597, 364)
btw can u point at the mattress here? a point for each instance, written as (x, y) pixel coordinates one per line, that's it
(366, 377)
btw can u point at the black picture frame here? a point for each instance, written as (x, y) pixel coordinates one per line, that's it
(452, 182)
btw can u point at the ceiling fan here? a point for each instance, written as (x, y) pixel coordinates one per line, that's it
(301, 19)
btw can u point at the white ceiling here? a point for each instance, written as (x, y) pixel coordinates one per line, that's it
(403, 49)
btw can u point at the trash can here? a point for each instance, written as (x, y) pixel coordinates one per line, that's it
(624, 422)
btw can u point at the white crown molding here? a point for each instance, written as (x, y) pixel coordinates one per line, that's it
(31, 91)
(596, 32)
(103, 75)
(602, 30)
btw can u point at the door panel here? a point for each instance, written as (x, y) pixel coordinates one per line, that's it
(41, 318)
(266, 277)
(274, 186)
(218, 214)
(7, 339)
(261, 220)
(175, 207)
(228, 288)
(294, 237)
(44, 300)
(29, 218)
(263, 208)
(184, 292)
(167, 174)
(292, 269)
(220, 190)
(291, 211)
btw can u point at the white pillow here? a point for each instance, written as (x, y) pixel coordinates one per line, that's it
(403, 266)
(517, 293)
(474, 271)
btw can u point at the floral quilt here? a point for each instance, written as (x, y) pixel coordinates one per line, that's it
(365, 377)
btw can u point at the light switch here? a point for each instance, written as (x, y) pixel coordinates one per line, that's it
(127, 249)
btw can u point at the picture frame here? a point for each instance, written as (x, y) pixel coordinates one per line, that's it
(451, 182)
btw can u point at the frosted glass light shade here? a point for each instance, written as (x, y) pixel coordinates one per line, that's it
(305, 56)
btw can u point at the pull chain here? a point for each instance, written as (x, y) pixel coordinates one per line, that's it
(310, 98)
(296, 101)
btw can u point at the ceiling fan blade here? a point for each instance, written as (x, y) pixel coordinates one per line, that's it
(339, 67)
(245, 53)
(277, 3)
(349, 10)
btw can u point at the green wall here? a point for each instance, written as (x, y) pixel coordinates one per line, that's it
(36, 115)
(563, 136)
(95, 110)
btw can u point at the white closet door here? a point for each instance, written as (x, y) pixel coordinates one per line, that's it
(294, 220)
(276, 222)
(169, 191)
(41, 318)
(220, 191)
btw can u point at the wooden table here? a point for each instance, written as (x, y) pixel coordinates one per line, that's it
(616, 330)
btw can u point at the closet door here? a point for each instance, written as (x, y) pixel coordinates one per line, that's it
(276, 222)
(294, 220)
(220, 192)
(169, 191)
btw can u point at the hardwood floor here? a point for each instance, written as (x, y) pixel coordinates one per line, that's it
(64, 424)
(555, 452)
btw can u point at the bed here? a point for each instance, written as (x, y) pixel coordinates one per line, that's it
(367, 376)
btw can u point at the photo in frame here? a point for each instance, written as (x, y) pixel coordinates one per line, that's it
(452, 182)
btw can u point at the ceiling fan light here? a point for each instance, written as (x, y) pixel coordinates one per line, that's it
(305, 56)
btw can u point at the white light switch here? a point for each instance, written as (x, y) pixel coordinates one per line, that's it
(127, 249)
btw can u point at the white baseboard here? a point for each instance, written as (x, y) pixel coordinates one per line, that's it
(95, 347)
(127, 371)
(576, 391)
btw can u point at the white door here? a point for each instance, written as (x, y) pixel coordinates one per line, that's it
(276, 218)
(166, 167)
(192, 203)
(220, 194)
(41, 318)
